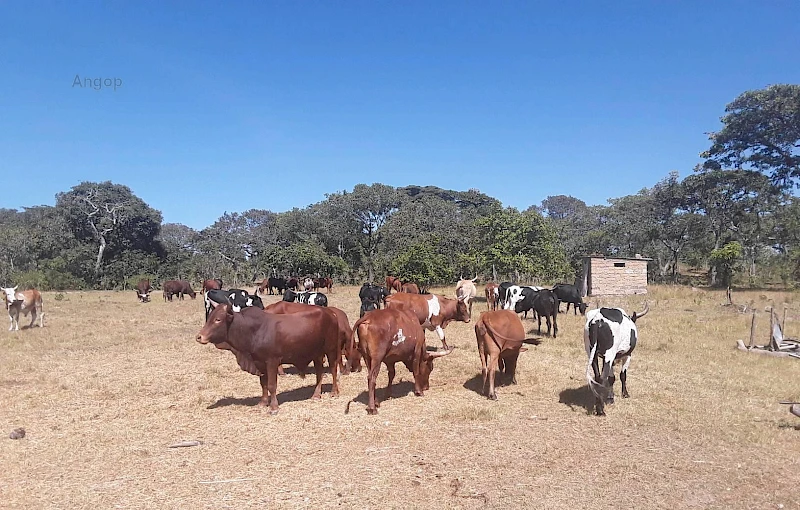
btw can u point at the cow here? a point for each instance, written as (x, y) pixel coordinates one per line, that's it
(25, 301)
(143, 289)
(371, 297)
(171, 288)
(492, 295)
(237, 298)
(308, 284)
(309, 298)
(466, 289)
(569, 294)
(410, 288)
(345, 331)
(262, 341)
(514, 294)
(500, 335)
(274, 284)
(610, 335)
(434, 312)
(542, 301)
(390, 283)
(323, 283)
(502, 293)
(389, 336)
(292, 283)
(206, 285)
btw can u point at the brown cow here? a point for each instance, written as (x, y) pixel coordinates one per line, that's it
(500, 335)
(466, 289)
(25, 301)
(179, 288)
(492, 295)
(143, 289)
(393, 283)
(262, 341)
(410, 288)
(215, 284)
(434, 312)
(345, 332)
(388, 336)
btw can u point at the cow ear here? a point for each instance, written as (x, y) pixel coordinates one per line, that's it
(229, 309)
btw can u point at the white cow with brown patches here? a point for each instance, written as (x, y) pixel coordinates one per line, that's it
(432, 311)
(26, 301)
(465, 291)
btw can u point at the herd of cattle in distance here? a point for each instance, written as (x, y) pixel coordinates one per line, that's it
(302, 328)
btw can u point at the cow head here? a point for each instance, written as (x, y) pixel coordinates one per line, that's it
(426, 367)
(582, 308)
(9, 293)
(462, 311)
(144, 297)
(216, 329)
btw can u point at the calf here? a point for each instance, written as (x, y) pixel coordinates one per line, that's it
(262, 341)
(388, 336)
(465, 289)
(500, 335)
(371, 297)
(143, 290)
(309, 298)
(26, 301)
(433, 312)
(546, 304)
(569, 294)
(609, 335)
(323, 283)
(492, 295)
(518, 293)
(410, 288)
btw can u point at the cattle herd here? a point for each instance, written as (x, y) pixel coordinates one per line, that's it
(302, 329)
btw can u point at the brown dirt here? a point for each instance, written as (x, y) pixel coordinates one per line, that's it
(110, 383)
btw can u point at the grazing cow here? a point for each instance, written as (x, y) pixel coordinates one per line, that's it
(186, 288)
(492, 295)
(172, 288)
(371, 297)
(609, 335)
(308, 284)
(500, 335)
(237, 298)
(569, 294)
(433, 312)
(410, 288)
(465, 289)
(388, 336)
(25, 301)
(262, 341)
(143, 289)
(308, 298)
(207, 285)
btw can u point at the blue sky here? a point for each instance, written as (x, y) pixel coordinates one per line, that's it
(238, 105)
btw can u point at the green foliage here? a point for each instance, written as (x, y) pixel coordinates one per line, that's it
(727, 260)
(421, 263)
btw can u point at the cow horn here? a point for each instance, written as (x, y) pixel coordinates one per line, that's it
(476, 277)
(439, 354)
(639, 315)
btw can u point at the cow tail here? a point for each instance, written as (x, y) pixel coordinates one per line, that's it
(352, 344)
(593, 385)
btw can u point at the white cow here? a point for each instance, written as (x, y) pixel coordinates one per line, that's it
(465, 291)
(26, 301)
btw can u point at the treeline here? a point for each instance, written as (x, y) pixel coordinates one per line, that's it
(734, 217)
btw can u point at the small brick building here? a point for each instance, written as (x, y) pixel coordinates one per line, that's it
(603, 276)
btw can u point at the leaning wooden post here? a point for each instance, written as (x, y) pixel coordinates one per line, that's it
(753, 330)
(771, 325)
(783, 323)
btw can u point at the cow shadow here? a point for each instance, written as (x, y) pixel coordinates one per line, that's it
(297, 394)
(475, 384)
(399, 390)
(532, 341)
(581, 397)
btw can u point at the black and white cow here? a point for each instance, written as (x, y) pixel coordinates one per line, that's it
(309, 298)
(609, 335)
(237, 298)
(502, 293)
(517, 294)
(570, 295)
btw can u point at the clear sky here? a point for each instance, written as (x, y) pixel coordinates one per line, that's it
(227, 106)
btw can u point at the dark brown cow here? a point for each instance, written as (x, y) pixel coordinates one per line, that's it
(186, 288)
(410, 288)
(171, 288)
(292, 283)
(500, 335)
(345, 332)
(323, 283)
(143, 289)
(433, 311)
(215, 284)
(388, 336)
(492, 295)
(25, 301)
(262, 341)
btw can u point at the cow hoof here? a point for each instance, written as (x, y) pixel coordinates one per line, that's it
(493, 397)
(372, 412)
(315, 396)
(626, 395)
(273, 412)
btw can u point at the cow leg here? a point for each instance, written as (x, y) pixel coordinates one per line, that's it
(540, 324)
(440, 334)
(598, 402)
(623, 377)
(280, 370)
(511, 368)
(10, 321)
(264, 380)
(334, 362)
(272, 386)
(33, 317)
(41, 317)
(318, 368)
(574, 308)
(555, 325)
(492, 370)
(374, 368)
(388, 393)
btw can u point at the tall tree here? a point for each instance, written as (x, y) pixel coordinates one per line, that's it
(761, 131)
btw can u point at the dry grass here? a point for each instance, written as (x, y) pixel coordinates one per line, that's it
(110, 383)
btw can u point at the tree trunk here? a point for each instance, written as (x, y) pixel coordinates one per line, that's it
(100, 252)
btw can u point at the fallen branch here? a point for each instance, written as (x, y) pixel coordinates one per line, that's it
(184, 444)
(228, 481)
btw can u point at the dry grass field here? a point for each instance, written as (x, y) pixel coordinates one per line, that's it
(110, 383)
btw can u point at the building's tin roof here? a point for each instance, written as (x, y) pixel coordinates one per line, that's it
(645, 259)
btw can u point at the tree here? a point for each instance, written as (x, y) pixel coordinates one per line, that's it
(562, 207)
(726, 261)
(110, 215)
(421, 263)
(761, 131)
